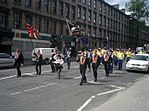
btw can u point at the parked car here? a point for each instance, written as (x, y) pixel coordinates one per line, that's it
(6, 60)
(139, 62)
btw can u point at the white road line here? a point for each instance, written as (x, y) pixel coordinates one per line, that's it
(77, 77)
(102, 77)
(31, 73)
(7, 77)
(103, 93)
(32, 89)
(86, 103)
(94, 82)
(115, 90)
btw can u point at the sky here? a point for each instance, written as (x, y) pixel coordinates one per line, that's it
(120, 2)
(121, 5)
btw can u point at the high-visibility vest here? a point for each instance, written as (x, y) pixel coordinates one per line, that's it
(94, 58)
(82, 60)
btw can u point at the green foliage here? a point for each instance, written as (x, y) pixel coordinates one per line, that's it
(139, 9)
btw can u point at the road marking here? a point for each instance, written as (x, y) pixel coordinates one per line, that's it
(86, 103)
(32, 89)
(7, 77)
(94, 82)
(108, 92)
(103, 93)
(77, 77)
(31, 74)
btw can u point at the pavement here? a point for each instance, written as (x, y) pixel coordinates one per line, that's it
(133, 98)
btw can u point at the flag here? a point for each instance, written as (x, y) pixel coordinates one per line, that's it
(33, 32)
(74, 30)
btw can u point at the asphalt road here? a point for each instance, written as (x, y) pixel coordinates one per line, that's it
(47, 93)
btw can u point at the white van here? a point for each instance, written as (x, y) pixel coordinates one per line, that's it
(46, 54)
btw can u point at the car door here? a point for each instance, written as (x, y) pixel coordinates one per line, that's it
(6, 60)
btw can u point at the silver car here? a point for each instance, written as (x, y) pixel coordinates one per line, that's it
(6, 60)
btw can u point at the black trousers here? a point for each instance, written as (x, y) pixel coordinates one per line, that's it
(18, 70)
(94, 67)
(107, 68)
(38, 68)
(82, 71)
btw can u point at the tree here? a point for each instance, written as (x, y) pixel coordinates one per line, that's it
(139, 9)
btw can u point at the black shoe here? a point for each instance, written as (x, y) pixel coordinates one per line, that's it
(80, 84)
(107, 75)
(84, 82)
(95, 80)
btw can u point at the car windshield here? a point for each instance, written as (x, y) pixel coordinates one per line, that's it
(140, 57)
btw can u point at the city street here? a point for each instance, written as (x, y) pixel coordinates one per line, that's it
(47, 93)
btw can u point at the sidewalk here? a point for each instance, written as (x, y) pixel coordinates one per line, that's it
(133, 98)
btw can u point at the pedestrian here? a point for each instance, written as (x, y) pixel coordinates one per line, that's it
(18, 60)
(68, 58)
(39, 61)
(95, 59)
(58, 64)
(107, 61)
(120, 59)
(82, 66)
(89, 59)
(52, 59)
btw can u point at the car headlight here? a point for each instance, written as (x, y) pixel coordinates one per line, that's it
(128, 64)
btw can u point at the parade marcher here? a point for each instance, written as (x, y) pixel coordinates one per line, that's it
(39, 61)
(18, 60)
(107, 60)
(128, 54)
(89, 59)
(82, 66)
(68, 58)
(52, 60)
(95, 58)
(120, 57)
(58, 64)
(99, 52)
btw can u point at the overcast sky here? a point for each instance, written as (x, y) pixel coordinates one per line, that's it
(120, 2)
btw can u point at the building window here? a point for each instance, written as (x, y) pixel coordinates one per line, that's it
(79, 12)
(67, 10)
(46, 5)
(89, 30)
(38, 4)
(94, 17)
(28, 18)
(100, 33)
(89, 16)
(61, 28)
(104, 22)
(3, 0)
(28, 3)
(38, 23)
(61, 8)
(84, 14)
(17, 20)
(54, 23)
(94, 32)
(100, 20)
(84, 1)
(73, 12)
(79, 0)
(54, 7)
(94, 3)
(17, 1)
(3, 20)
(89, 2)
(46, 26)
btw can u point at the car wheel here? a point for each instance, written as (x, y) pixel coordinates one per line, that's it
(147, 72)
(46, 61)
